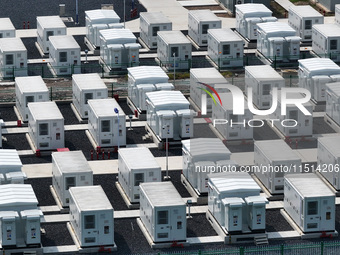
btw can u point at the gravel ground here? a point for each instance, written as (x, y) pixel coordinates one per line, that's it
(308, 143)
(57, 234)
(203, 131)
(198, 225)
(321, 127)
(319, 108)
(265, 133)
(77, 140)
(276, 222)
(80, 41)
(18, 12)
(176, 181)
(7, 113)
(135, 136)
(234, 148)
(123, 104)
(35, 160)
(41, 187)
(32, 51)
(162, 153)
(16, 141)
(39, 69)
(68, 114)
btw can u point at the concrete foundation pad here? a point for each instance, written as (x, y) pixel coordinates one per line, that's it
(26, 250)
(125, 197)
(93, 48)
(57, 200)
(158, 245)
(76, 113)
(41, 51)
(200, 199)
(17, 113)
(52, 70)
(92, 141)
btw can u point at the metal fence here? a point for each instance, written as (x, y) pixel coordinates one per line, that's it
(319, 248)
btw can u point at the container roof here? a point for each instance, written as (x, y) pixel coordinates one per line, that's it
(31, 84)
(331, 143)
(164, 97)
(17, 195)
(233, 201)
(105, 15)
(233, 182)
(294, 96)
(276, 150)
(71, 162)
(155, 17)
(90, 198)
(264, 72)
(319, 66)
(8, 214)
(6, 24)
(162, 194)
(9, 158)
(227, 101)
(305, 11)
(204, 15)
(334, 87)
(89, 81)
(173, 37)
(253, 8)
(50, 22)
(45, 111)
(309, 185)
(117, 34)
(12, 44)
(208, 75)
(147, 72)
(138, 158)
(276, 27)
(165, 85)
(256, 200)
(225, 35)
(206, 146)
(328, 29)
(105, 107)
(64, 42)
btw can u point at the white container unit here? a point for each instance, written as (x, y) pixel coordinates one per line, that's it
(329, 159)
(262, 79)
(91, 216)
(237, 127)
(326, 41)
(209, 76)
(161, 105)
(136, 166)
(235, 202)
(225, 48)
(10, 167)
(164, 86)
(278, 41)
(302, 18)
(69, 169)
(13, 58)
(163, 212)
(150, 24)
(19, 216)
(48, 26)
(6, 28)
(29, 89)
(173, 48)
(105, 125)
(141, 90)
(46, 126)
(209, 152)
(118, 48)
(199, 22)
(275, 159)
(309, 202)
(248, 16)
(144, 75)
(64, 55)
(314, 73)
(86, 87)
(304, 123)
(96, 20)
(333, 101)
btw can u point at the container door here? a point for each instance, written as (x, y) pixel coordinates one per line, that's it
(106, 134)
(8, 231)
(32, 231)
(44, 136)
(178, 227)
(312, 215)
(163, 227)
(90, 233)
(105, 228)
(327, 221)
(138, 178)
